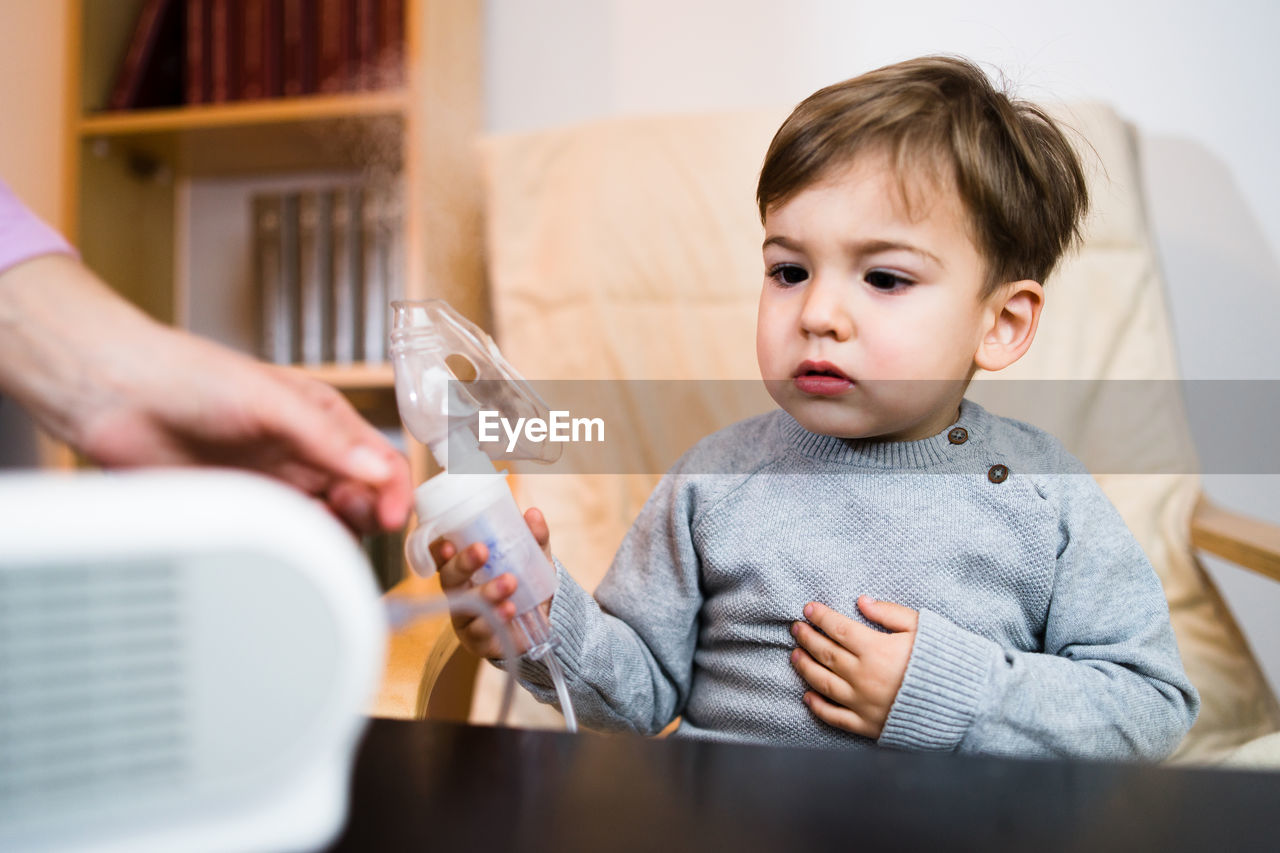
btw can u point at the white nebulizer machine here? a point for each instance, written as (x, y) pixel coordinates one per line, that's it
(469, 501)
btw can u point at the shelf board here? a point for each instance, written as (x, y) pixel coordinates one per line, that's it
(351, 376)
(359, 132)
(245, 114)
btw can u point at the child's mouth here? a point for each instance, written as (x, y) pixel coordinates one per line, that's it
(821, 378)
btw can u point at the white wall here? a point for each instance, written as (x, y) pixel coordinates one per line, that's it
(1198, 78)
(1197, 69)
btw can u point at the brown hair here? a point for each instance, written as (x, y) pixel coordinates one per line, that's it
(939, 116)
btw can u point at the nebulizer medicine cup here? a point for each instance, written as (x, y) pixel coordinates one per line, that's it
(469, 508)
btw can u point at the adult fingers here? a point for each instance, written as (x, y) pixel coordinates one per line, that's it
(895, 617)
(349, 502)
(837, 626)
(323, 430)
(838, 715)
(302, 477)
(395, 494)
(356, 504)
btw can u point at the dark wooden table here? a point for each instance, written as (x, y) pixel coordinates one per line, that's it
(449, 787)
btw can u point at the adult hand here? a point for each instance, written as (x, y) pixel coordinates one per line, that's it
(855, 671)
(127, 391)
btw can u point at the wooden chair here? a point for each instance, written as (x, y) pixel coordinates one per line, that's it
(428, 674)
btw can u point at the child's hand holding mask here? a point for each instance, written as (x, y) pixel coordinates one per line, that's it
(855, 671)
(456, 569)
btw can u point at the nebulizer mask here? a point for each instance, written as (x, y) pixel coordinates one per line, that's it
(469, 501)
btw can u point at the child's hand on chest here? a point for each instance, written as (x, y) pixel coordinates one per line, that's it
(854, 671)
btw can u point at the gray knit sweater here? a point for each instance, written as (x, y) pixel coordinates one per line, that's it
(1043, 629)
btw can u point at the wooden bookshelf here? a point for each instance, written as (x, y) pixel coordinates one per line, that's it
(127, 169)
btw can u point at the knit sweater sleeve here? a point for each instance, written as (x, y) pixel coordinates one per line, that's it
(1108, 683)
(627, 654)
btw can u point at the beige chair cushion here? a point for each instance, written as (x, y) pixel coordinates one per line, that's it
(630, 249)
(1260, 754)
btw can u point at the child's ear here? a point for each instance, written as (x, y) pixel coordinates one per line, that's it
(1009, 322)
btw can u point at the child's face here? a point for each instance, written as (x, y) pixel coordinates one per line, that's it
(869, 319)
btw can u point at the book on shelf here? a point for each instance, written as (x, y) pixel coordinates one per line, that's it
(379, 44)
(366, 44)
(150, 73)
(382, 265)
(394, 269)
(374, 280)
(291, 325)
(225, 50)
(252, 83)
(390, 45)
(328, 260)
(273, 68)
(268, 274)
(346, 266)
(215, 51)
(314, 277)
(197, 74)
(335, 40)
(298, 27)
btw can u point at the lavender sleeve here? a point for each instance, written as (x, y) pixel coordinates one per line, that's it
(23, 235)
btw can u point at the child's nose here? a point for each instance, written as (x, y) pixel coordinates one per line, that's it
(825, 312)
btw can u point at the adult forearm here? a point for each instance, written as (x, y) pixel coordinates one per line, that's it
(127, 391)
(60, 334)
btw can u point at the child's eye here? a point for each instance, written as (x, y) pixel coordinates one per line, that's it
(788, 274)
(886, 281)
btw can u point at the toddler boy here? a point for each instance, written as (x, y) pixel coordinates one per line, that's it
(881, 560)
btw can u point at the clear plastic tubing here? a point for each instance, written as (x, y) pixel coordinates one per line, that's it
(562, 693)
(405, 611)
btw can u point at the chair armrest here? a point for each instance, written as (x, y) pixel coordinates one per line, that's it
(409, 649)
(448, 680)
(1245, 541)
